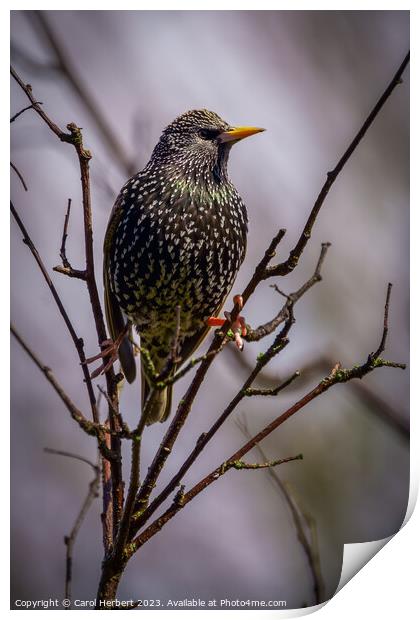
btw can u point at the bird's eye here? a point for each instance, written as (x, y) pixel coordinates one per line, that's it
(208, 134)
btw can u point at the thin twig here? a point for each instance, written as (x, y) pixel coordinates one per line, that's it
(124, 525)
(160, 384)
(21, 179)
(70, 540)
(284, 268)
(130, 503)
(265, 465)
(125, 432)
(77, 457)
(264, 330)
(336, 376)
(273, 391)
(91, 428)
(66, 268)
(78, 342)
(238, 465)
(28, 107)
(376, 405)
(310, 549)
(27, 88)
(64, 237)
(381, 346)
(112, 388)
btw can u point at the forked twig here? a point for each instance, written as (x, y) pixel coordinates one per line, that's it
(70, 540)
(66, 268)
(336, 376)
(28, 107)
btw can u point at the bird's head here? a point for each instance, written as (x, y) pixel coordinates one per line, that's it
(198, 142)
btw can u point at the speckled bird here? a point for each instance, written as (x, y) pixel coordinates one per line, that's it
(176, 237)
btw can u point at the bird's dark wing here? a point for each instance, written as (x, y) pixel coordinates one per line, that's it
(114, 316)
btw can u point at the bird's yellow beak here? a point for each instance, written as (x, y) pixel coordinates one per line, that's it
(238, 133)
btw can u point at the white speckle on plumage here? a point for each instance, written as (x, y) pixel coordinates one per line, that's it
(182, 233)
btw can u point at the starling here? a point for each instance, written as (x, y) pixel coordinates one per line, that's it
(176, 237)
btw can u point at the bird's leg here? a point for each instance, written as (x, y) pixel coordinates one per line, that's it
(238, 327)
(111, 351)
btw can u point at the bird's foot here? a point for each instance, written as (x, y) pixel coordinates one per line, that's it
(110, 351)
(238, 327)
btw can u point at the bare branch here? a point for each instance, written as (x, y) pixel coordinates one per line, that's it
(124, 525)
(125, 432)
(336, 376)
(70, 540)
(267, 328)
(142, 513)
(27, 88)
(284, 268)
(79, 274)
(64, 237)
(28, 107)
(21, 179)
(381, 347)
(160, 384)
(113, 499)
(71, 455)
(309, 547)
(91, 428)
(78, 342)
(242, 465)
(272, 391)
(66, 268)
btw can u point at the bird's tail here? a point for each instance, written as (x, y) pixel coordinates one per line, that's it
(161, 401)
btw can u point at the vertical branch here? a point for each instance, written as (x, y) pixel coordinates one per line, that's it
(84, 157)
(113, 489)
(63, 254)
(71, 538)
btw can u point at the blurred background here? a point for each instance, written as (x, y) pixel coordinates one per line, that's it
(310, 78)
